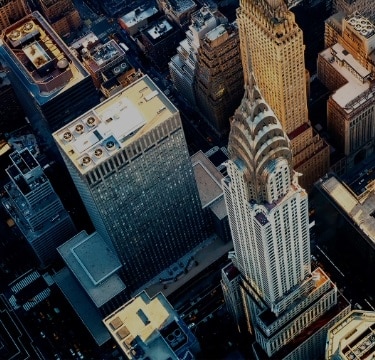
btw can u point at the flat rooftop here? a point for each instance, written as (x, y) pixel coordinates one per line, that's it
(45, 64)
(208, 179)
(362, 26)
(357, 89)
(360, 211)
(158, 30)
(114, 124)
(104, 54)
(181, 6)
(142, 318)
(86, 310)
(137, 15)
(353, 337)
(94, 265)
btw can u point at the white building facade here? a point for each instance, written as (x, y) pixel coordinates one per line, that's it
(268, 215)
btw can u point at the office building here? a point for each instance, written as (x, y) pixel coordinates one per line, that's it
(51, 83)
(219, 76)
(344, 219)
(182, 66)
(61, 15)
(35, 207)
(98, 58)
(107, 63)
(179, 12)
(149, 328)
(347, 70)
(272, 43)
(353, 337)
(129, 161)
(138, 18)
(11, 11)
(12, 116)
(90, 281)
(364, 7)
(287, 307)
(159, 41)
(355, 33)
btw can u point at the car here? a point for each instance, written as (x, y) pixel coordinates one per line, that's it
(192, 325)
(80, 355)
(42, 334)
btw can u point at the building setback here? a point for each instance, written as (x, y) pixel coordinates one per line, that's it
(353, 337)
(272, 43)
(129, 161)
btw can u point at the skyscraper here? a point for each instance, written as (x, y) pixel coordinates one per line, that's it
(182, 66)
(52, 84)
(35, 207)
(272, 41)
(129, 161)
(219, 76)
(287, 306)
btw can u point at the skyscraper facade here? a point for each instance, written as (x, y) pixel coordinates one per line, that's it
(182, 66)
(287, 306)
(35, 207)
(11, 11)
(129, 160)
(273, 43)
(219, 76)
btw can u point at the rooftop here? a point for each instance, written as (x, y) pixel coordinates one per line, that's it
(137, 326)
(105, 53)
(114, 124)
(361, 25)
(86, 310)
(46, 64)
(360, 211)
(85, 41)
(180, 6)
(137, 15)
(159, 29)
(208, 179)
(357, 89)
(94, 265)
(353, 338)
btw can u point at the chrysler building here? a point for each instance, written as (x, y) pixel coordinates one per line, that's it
(274, 292)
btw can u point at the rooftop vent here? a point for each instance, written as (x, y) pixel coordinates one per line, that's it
(15, 35)
(28, 26)
(79, 128)
(116, 70)
(110, 145)
(91, 121)
(62, 63)
(98, 152)
(86, 160)
(67, 136)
